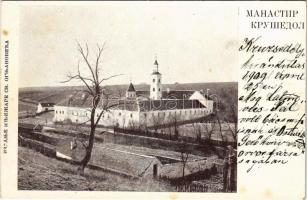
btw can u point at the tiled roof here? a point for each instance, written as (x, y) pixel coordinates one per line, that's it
(130, 105)
(172, 94)
(152, 105)
(86, 102)
(130, 163)
(171, 100)
(177, 94)
(45, 104)
(143, 93)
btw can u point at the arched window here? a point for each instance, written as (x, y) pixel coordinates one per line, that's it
(159, 80)
(159, 89)
(153, 80)
(153, 89)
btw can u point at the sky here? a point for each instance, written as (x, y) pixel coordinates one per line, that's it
(193, 42)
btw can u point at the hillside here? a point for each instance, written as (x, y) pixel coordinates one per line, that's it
(39, 172)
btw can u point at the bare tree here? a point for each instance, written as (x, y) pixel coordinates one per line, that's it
(234, 120)
(197, 131)
(173, 122)
(184, 155)
(223, 138)
(209, 128)
(133, 125)
(184, 159)
(96, 92)
(229, 110)
(157, 121)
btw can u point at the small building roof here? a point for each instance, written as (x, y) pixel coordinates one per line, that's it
(131, 88)
(46, 104)
(133, 164)
(156, 73)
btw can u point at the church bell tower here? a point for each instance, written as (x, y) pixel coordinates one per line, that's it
(156, 82)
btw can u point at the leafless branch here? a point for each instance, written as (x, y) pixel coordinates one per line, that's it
(100, 50)
(105, 79)
(85, 57)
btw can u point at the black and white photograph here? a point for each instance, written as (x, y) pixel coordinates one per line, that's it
(128, 97)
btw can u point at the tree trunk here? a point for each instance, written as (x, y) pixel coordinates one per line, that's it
(183, 170)
(88, 152)
(90, 145)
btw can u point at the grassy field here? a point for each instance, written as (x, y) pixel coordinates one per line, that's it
(26, 107)
(38, 172)
(43, 119)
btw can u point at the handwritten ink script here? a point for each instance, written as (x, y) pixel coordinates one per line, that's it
(272, 98)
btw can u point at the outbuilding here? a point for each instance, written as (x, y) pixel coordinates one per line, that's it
(44, 107)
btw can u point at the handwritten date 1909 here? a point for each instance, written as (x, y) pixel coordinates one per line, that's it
(255, 75)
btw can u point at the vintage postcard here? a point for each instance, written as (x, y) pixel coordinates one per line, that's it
(153, 100)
